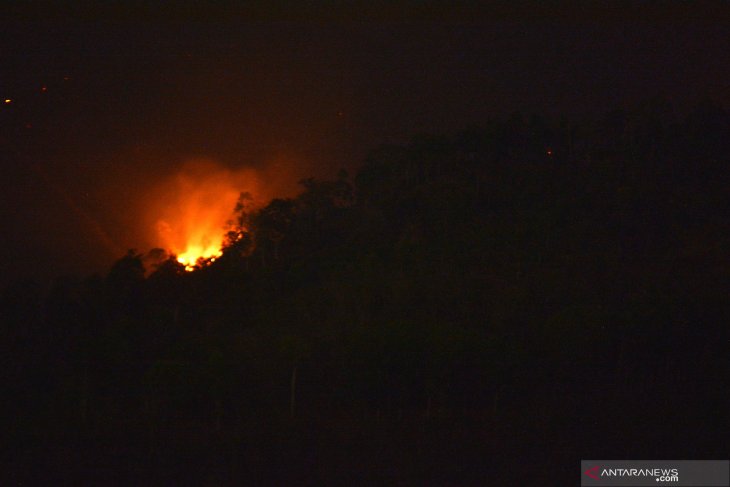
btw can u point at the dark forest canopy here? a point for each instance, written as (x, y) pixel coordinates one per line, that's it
(520, 282)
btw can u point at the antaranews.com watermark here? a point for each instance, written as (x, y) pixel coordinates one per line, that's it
(684, 473)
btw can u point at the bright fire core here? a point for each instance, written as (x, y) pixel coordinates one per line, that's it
(195, 235)
(191, 256)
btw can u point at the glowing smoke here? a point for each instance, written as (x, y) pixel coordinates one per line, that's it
(192, 210)
(197, 205)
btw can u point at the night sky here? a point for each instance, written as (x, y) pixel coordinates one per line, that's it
(103, 108)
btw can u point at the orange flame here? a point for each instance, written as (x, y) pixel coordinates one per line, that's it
(199, 204)
(188, 214)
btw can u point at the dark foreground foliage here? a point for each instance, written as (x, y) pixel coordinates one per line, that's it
(485, 309)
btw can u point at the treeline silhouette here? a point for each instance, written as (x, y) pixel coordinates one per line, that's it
(486, 308)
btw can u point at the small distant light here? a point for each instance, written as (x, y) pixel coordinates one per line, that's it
(550, 152)
(44, 88)
(8, 101)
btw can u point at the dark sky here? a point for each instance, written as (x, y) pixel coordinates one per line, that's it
(128, 100)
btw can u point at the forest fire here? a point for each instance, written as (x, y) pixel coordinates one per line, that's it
(199, 204)
(196, 254)
(199, 240)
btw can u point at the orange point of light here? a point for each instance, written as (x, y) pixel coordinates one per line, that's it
(44, 88)
(8, 101)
